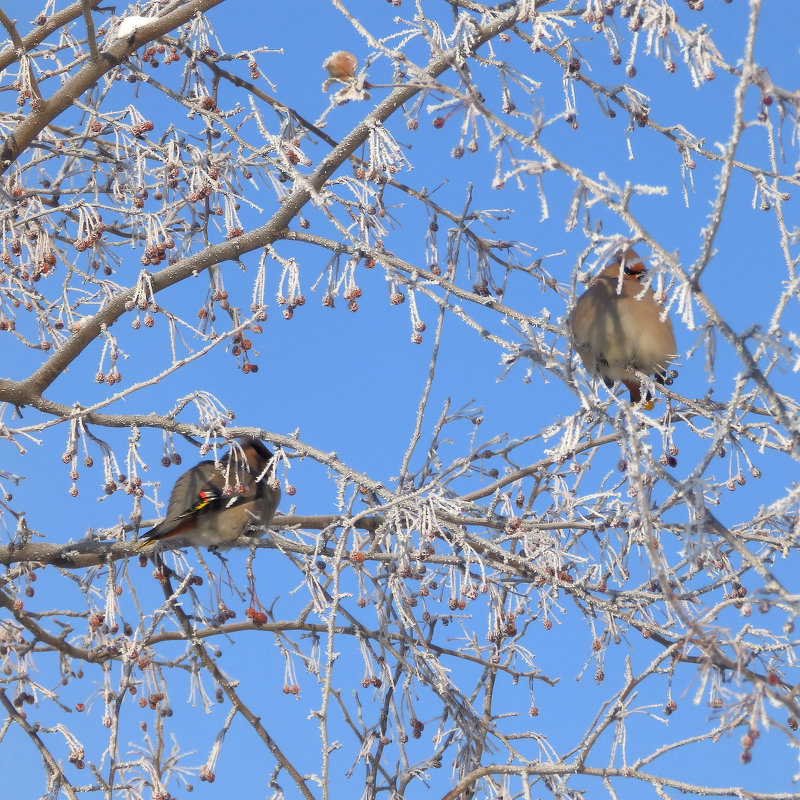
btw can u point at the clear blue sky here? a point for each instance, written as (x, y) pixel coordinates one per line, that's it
(351, 382)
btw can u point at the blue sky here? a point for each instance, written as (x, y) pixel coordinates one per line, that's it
(351, 383)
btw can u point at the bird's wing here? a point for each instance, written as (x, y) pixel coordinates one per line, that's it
(198, 491)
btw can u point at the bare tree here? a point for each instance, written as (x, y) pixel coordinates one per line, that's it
(434, 613)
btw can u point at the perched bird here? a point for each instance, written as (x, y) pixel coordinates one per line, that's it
(212, 504)
(618, 327)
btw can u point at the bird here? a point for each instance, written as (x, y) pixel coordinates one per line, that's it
(212, 504)
(618, 328)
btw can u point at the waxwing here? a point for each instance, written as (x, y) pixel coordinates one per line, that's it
(212, 504)
(618, 327)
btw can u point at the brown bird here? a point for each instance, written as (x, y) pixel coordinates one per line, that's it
(617, 327)
(212, 504)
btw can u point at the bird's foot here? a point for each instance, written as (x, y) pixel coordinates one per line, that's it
(214, 549)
